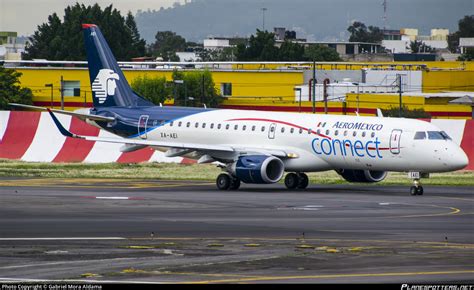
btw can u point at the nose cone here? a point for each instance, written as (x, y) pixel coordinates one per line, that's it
(459, 159)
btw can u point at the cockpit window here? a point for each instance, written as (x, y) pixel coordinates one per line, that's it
(445, 135)
(420, 135)
(437, 135)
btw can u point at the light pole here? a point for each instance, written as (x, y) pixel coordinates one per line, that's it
(62, 93)
(176, 91)
(298, 90)
(263, 18)
(399, 83)
(52, 88)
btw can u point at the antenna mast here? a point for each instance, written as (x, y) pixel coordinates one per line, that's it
(384, 4)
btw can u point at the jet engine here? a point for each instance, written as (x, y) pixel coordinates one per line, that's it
(367, 176)
(258, 169)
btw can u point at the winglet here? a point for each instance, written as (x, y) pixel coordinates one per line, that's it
(60, 126)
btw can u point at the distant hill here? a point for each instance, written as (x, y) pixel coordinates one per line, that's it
(313, 19)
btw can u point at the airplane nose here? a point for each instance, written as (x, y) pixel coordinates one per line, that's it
(459, 159)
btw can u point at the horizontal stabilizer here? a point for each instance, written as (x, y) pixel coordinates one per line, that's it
(74, 114)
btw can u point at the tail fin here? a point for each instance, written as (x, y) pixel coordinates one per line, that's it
(109, 86)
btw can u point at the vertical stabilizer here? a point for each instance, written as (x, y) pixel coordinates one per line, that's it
(109, 86)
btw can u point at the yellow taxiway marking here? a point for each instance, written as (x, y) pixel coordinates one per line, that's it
(329, 276)
(453, 211)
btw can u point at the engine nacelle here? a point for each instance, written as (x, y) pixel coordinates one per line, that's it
(367, 176)
(258, 169)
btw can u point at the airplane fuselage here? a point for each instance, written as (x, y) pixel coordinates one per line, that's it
(319, 142)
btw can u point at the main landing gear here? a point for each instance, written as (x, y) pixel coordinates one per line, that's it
(225, 182)
(297, 180)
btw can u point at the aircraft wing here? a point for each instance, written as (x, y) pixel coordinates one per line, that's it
(75, 114)
(175, 145)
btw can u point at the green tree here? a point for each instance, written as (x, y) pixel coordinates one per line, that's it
(154, 89)
(465, 29)
(360, 33)
(56, 40)
(138, 43)
(468, 55)
(291, 51)
(10, 90)
(198, 89)
(166, 44)
(261, 47)
(321, 53)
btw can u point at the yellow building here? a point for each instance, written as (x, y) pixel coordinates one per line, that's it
(269, 86)
(240, 83)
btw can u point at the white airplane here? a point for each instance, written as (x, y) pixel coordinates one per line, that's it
(259, 147)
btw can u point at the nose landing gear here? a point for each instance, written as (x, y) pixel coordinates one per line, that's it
(416, 189)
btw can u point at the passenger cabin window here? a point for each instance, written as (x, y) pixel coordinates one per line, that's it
(188, 124)
(212, 125)
(171, 124)
(203, 125)
(263, 128)
(244, 127)
(253, 128)
(292, 130)
(227, 127)
(180, 123)
(372, 135)
(301, 131)
(219, 126)
(420, 135)
(283, 129)
(196, 125)
(236, 127)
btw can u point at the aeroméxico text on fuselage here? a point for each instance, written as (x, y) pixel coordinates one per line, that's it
(256, 146)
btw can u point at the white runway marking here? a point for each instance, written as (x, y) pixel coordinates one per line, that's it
(115, 197)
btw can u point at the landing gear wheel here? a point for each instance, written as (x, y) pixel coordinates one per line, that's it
(223, 181)
(291, 180)
(420, 190)
(303, 180)
(235, 184)
(416, 190)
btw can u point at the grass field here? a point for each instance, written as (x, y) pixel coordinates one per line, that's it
(172, 171)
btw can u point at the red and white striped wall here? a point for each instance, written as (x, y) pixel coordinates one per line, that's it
(32, 136)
